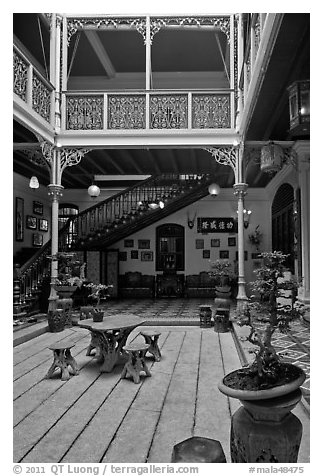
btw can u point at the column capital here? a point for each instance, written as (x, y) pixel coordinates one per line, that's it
(55, 192)
(240, 189)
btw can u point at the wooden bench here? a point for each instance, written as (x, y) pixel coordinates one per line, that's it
(63, 360)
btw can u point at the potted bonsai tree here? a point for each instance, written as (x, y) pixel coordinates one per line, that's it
(268, 388)
(98, 291)
(222, 270)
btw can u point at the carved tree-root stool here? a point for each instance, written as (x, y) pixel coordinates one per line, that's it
(151, 338)
(198, 450)
(136, 362)
(63, 361)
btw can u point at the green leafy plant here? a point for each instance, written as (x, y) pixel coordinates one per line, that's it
(255, 238)
(223, 271)
(268, 311)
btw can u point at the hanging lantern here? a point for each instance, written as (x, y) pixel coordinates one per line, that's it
(214, 189)
(34, 184)
(299, 108)
(93, 191)
(271, 158)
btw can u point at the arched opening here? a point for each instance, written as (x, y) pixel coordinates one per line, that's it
(283, 227)
(65, 212)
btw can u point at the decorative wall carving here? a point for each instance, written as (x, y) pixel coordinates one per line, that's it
(211, 111)
(168, 111)
(126, 112)
(84, 112)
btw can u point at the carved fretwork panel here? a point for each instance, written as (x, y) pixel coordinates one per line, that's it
(126, 112)
(211, 111)
(20, 71)
(168, 111)
(84, 112)
(41, 98)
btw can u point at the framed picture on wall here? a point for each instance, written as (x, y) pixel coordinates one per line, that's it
(144, 244)
(134, 254)
(128, 243)
(20, 219)
(224, 254)
(199, 244)
(37, 240)
(31, 222)
(42, 224)
(122, 256)
(38, 208)
(215, 243)
(206, 254)
(146, 256)
(232, 241)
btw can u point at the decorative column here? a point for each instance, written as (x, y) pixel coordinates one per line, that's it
(302, 149)
(55, 193)
(240, 190)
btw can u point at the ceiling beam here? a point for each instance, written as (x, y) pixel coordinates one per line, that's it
(26, 145)
(174, 160)
(101, 178)
(113, 162)
(126, 154)
(101, 53)
(154, 159)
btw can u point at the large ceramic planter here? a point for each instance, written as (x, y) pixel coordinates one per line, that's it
(65, 292)
(57, 320)
(264, 430)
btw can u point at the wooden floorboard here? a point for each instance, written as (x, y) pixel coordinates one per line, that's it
(99, 417)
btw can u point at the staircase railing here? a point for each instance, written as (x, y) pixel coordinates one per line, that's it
(135, 202)
(131, 203)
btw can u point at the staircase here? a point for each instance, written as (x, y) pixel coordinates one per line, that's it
(109, 221)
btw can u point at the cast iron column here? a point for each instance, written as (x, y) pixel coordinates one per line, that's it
(240, 192)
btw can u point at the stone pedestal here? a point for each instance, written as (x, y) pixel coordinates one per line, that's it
(265, 431)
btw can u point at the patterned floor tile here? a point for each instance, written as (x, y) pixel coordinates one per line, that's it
(291, 354)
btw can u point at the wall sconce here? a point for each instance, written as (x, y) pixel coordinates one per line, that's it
(246, 217)
(191, 221)
(33, 183)
(214, 189)
(299, 108)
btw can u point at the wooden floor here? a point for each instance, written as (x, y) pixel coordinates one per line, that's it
(95, 417)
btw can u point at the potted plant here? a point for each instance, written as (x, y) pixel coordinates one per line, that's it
(98, 291)
(263, 429)
(222, 270)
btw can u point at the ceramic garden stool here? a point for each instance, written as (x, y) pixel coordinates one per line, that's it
(86, 312)
(221, 320)
(198, 450)
(151, 338)
(63, 360)
(66, 304)
(205, 316)
(136, 362)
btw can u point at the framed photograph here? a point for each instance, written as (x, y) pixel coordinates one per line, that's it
(134, 254)
(38, 208)
(31, 222)
(199, 244)
(146, 256)
(128, 243)
(224, 254)
(232, 241)
(144, 245)
(122, 256)
(246, 255)
(20, 219)
(42, 224)
(206, 254)
(215, 243)
(37, 240)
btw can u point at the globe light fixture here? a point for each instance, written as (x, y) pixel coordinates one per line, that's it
(214, 189)
(33, 183)
(94, 191)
